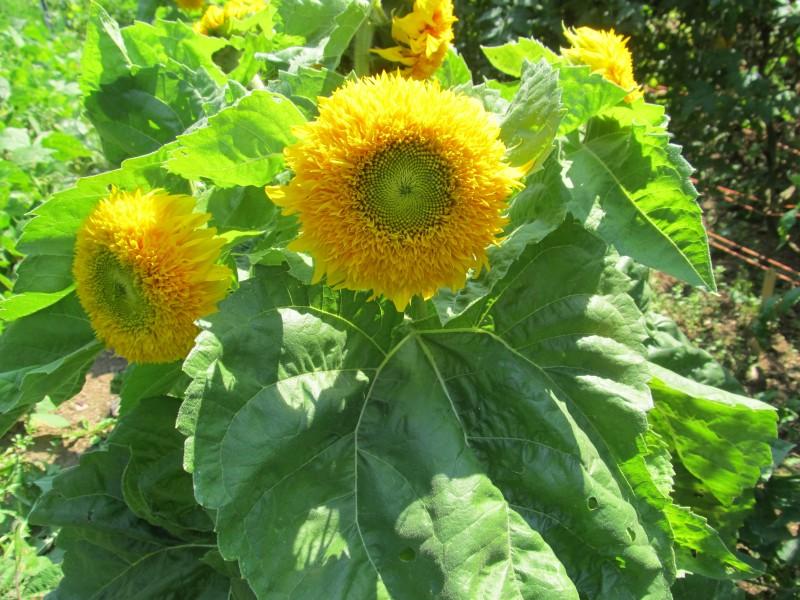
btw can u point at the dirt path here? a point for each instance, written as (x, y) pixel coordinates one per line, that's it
(94, 404)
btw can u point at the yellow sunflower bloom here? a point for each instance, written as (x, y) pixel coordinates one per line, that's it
(606, 53)
(216, 19)
(145, 271)
(190, 4)
(399, 187)
(212, 22)
(425, 34)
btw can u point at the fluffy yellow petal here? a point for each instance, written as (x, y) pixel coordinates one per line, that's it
(606, 53)
(425, 35)
(145, 271)
(399, 187)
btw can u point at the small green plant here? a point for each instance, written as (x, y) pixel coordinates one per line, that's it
(24, 570)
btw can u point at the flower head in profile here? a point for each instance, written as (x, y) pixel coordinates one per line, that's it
(424, 36)
(216, 20)
(606, 53)
(399, 187)
(145, 271)
(190, 4)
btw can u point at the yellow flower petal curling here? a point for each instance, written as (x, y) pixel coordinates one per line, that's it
(425, 34)
(399, 187)
(145, 270)
(606, 53)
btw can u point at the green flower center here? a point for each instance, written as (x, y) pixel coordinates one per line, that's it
(118, 289)
(405, 188)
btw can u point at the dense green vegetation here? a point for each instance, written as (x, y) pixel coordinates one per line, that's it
(726, 73)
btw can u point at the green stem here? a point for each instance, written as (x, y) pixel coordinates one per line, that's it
(363, 43)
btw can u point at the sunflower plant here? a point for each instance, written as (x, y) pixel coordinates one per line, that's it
(384, 325)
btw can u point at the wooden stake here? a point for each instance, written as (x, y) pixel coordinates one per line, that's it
(768, 288)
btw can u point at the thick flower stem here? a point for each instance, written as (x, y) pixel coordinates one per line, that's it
(361, 47)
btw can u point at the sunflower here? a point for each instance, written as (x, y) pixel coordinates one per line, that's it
(606, 53)
(190, 4)
(144, 271)
(398, 186)
(216, 19)
(425, 35)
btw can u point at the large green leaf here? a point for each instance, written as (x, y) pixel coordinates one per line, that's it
(587, 334)
(376, 451)
(154, 484)
(143, 85)
(720, 438)
(630, 186)
(46, 354)
(242, 145)
(309, 396)
(110, 552)
(130, 525)
(698, 547)
(720, 444)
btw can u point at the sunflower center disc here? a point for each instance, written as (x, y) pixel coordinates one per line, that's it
(405, 188)
(118, 290)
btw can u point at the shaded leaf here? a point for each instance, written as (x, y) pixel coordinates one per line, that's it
(304, 87)
(143, 381)
(154, 484)
(46, 354)
(109, 552)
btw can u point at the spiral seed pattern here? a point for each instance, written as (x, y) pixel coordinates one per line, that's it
(405, 188)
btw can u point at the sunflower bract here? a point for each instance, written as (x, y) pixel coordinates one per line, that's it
(606, 53)
(145, 271)
(425, 35)
(399, 187)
